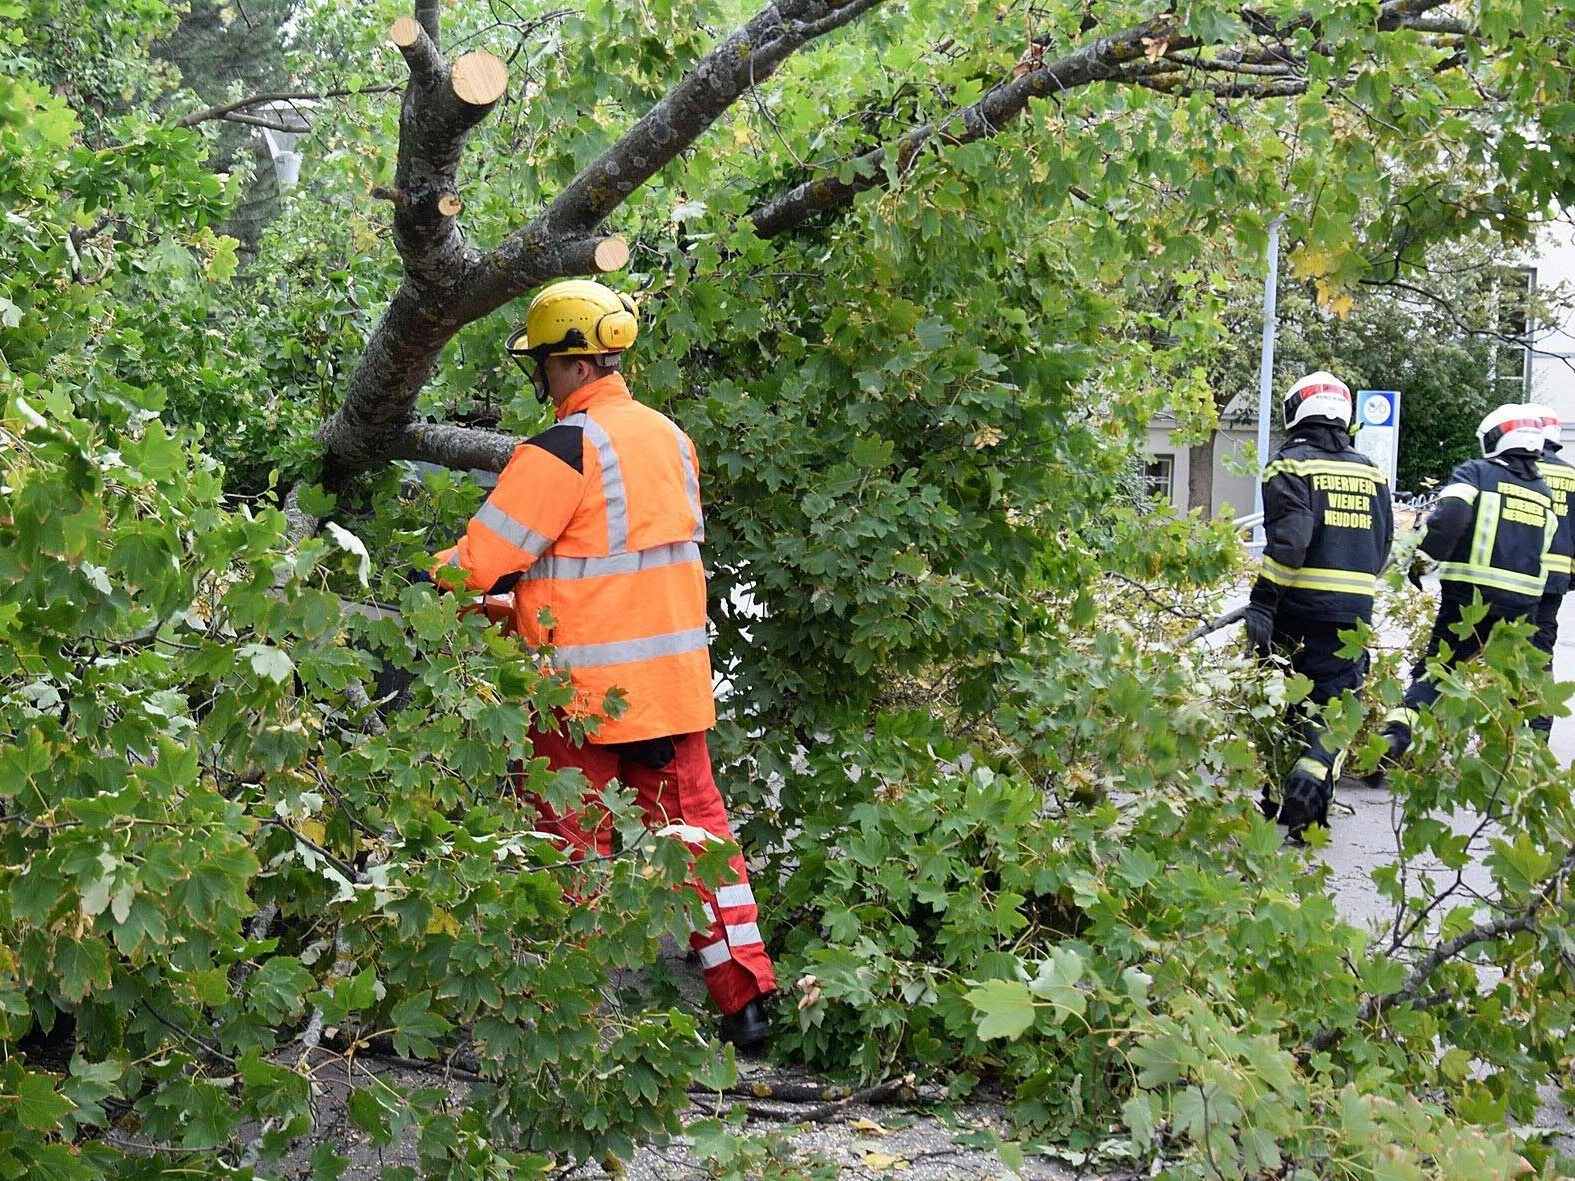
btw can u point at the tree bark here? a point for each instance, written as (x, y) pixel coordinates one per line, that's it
(448, 284)
(1200, 475)
(744, 59)
(457, 447)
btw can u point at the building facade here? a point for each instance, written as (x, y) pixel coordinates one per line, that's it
(1552, 362)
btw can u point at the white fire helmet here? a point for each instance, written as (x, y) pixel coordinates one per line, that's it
(1318, 395)
(1512, 427)
(1551, 432)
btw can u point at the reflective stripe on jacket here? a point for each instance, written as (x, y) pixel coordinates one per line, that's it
(1491, 531)
(1559, 476)
(600, 519)
(1328, 524)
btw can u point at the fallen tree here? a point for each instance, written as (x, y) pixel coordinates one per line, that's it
(1002, 814)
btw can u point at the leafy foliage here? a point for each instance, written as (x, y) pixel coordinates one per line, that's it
(1156, 960)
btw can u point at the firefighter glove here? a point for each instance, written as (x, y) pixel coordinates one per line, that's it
(1259, 622)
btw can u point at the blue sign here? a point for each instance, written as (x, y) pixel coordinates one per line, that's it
(1378, 428)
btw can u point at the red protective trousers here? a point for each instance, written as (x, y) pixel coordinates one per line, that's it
(737, 968)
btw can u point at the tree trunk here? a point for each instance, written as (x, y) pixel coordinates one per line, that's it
(1200, 475)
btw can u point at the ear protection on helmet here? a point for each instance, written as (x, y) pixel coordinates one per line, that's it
(617, 330)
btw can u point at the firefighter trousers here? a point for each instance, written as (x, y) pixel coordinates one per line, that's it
(673, 784)
(1422, 692)
(1545, 639)
(1313, 648)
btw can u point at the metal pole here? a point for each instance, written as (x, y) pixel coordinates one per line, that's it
(1266, 370)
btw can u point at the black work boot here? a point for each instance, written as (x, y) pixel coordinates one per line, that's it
(1398, 736)
(749, 1027)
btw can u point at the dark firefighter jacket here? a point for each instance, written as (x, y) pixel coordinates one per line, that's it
(1491, 532)
(1559, 475)
(1328, 524)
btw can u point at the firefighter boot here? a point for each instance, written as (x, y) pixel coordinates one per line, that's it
(1398, 736)
(749, 1027)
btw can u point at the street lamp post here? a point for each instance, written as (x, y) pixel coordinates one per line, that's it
(1266, 369)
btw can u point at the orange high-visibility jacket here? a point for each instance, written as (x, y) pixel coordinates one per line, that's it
(600, 516)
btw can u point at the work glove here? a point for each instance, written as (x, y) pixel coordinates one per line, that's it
(422, 576)
(1420, 564)
(1259, 622)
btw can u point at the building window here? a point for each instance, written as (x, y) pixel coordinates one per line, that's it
(1159, 478)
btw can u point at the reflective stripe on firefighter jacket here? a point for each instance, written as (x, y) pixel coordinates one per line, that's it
(1491, 532)
(600, 519)
(1328, 524)
(1559, 476)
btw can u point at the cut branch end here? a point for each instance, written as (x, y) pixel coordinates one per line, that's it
(479, 79)
(611, 254)
(449, 205)
(405, 32)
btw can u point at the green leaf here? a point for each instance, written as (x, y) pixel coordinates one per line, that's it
(278, 988)
(82, 967)
(269, 662)
(1005, 1008)
(369, 1113)
(38, 1105)
(414, 1025)
(1056, 983)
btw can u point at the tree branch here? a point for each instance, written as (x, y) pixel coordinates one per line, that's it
(458, 447)
(448, 286)
(226, 110)
(1440, 24)
(740, 61)
(372, 423)
(430, 14)
(1411, 989)
(1520, 342)
(1100, 59)
(441, 107)
(1279, 69)
(1104, 59)
(1175, 84)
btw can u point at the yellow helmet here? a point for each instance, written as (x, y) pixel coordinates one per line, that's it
(578, 317)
